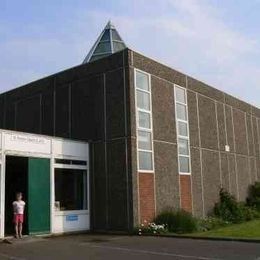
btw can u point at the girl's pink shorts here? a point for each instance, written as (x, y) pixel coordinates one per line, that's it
(18, 218)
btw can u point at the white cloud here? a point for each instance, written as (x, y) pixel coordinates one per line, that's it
(189, 35)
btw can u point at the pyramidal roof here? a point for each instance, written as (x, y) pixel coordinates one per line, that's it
(108, 42)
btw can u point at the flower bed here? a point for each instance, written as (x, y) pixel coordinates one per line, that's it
(151, 228)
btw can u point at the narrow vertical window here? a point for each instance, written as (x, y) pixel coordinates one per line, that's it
(144, 121)
(182, 127)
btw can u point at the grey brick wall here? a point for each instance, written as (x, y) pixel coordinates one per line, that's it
(216, 119)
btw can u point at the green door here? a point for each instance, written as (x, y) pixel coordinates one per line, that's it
(38, 196)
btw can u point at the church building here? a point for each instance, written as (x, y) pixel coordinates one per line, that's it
(112, 142)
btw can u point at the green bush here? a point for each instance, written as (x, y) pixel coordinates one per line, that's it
(228, 208)
(210, 223)
(248, 213)
(253, 199)
(177, 221)
(232, 211)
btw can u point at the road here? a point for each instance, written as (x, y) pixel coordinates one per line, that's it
(95, 247)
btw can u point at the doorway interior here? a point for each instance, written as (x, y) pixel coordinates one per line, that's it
(16, 180)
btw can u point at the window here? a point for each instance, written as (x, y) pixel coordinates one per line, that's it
(184, 163)
(144, 121)
(68, 161)
(144, 140)
(118, 46)
(180, 95)
(106, 36)
(143, 100)
(181, 111)
(183, 146)
(115, 35)
(103, 47)
(145, 161)
(182, 130)
(70, 189)
(142, 81)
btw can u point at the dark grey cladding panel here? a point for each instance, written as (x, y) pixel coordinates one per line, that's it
(193, 119)
(204, 89)
(132, 102)
(211, 178)
(221, 126)
(111, 62)
(67, 76)
(132, 153)
(240, 131)
(250, 135)
(62, 111)
(229, 127)
(47, 124)
(118, 203)
(233, 175)
(225, 172)
(197, 196)
(146, 64)
(129, 101)
(208, 124)
(166, 176)
(28, 115)
(236, 103)
(9, 121)
(31, 89)
(115, 107)
(131, 170)
(164, 127)
(82, 109)
(243, 176)
(97, 84)
(2, 110)
(99, 187)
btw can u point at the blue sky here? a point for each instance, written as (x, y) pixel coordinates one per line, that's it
(217, 42)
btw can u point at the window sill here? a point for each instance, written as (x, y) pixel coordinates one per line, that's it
(69, 212)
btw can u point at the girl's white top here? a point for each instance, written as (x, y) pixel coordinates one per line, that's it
(18, 206)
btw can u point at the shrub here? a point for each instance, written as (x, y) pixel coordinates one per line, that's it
(232, 211)
(253, 199)
(249, 213)
(210, 223)
(177, 221)
(228, 208)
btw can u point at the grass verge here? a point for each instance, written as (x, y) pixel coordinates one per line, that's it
(247, 230)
